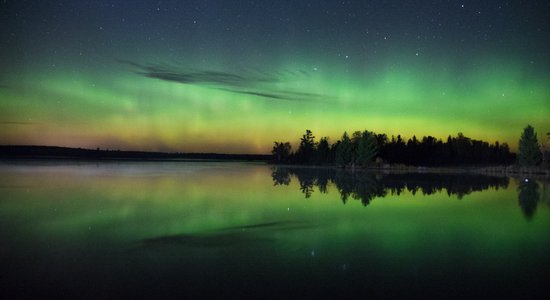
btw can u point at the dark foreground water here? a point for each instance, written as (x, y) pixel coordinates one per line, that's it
(231, 230)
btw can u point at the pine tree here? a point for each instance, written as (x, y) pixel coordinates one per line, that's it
(344, 151)
(529, 149)
(367, 149)
(323, 151)
(306, 149)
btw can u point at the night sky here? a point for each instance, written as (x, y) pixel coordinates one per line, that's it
(233, 76)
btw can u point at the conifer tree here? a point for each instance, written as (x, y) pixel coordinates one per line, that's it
(344, 151)
(529, 149)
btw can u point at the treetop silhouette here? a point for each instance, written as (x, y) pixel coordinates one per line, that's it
(529, 148)
(365, 148)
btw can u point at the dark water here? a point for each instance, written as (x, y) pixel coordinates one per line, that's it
(232, 230)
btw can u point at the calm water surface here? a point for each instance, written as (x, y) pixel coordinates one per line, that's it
(233, 229)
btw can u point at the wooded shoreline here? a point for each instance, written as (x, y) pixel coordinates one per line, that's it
(65, 153)
(508, 171)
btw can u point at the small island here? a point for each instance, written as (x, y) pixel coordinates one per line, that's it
(369, 150)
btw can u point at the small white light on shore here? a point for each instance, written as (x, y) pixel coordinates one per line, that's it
(526, 180)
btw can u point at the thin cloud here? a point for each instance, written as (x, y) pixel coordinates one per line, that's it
(192, 76)
(288, 96)
(259, 83)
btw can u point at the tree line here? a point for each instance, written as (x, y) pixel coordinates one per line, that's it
(364, 148)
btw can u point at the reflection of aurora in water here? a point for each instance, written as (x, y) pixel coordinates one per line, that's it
(201, 229)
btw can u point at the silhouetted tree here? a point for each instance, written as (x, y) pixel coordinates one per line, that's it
(463, 146)
(411, 155)
(281, 151)
(355, 139)
(505, 154)
(381, 142)
(457, 150)
(306, 150)
(529, 149)
(323, 151)
(450, 155)
(367, 148)
(362, 147)
(428, 150)
(344, 151)
(333, 150)
(398, 149)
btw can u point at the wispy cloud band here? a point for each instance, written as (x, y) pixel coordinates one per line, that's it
(259, 83)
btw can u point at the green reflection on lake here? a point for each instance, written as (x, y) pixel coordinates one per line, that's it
(111, 229)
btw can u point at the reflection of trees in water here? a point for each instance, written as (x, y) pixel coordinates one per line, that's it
(306, 186)
(545, 193)
(528, 197)
(454, 184)
(365, 186)
(280, 176)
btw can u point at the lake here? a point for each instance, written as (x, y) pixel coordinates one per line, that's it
(227, 229)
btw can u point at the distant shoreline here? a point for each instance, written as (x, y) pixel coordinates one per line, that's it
(55, 152)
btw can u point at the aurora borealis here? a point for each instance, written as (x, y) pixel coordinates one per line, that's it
(233, 76)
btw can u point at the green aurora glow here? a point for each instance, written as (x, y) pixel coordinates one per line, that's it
(60, 93)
